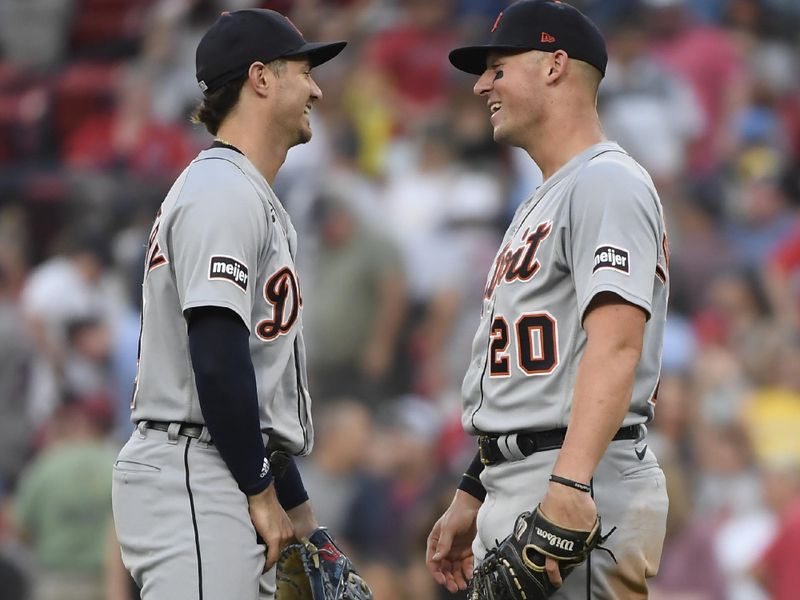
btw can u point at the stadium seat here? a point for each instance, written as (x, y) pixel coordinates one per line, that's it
(107, 28)
(83, 89)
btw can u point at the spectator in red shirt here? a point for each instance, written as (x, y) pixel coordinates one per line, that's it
(708, 58)
(129, 138)
(411, 58)
(778, 571)
(782, 276)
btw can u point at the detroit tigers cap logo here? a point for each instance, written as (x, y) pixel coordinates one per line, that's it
(497, 22)
(230, 269)
(612, 257)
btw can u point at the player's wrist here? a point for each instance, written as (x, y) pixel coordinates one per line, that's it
(574, 467)
(264, 482)
(263, 497)
(571, 483)
(563, 493)
(466, 500)
(303, 519)
(471, 480)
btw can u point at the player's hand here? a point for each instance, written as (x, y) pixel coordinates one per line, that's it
(449, 549)
(271, 522)
(569, 508)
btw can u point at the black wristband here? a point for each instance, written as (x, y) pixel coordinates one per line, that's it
(472, 486)
(470, 481)
(475, 467)
(288, 483)
(570, 483)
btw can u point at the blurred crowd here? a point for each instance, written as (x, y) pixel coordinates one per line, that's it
(400, 202)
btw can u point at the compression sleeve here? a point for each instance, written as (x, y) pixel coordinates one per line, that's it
(226, 388)
(289, 486)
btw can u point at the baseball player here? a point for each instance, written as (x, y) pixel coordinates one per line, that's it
(221, 382)
(566, 360)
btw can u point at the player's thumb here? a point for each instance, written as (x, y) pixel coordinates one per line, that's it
(444, 545)
(273, 551)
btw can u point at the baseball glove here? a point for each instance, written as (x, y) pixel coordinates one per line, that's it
(316, 569)
(515, 568)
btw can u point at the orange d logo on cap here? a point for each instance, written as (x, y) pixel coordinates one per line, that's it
(497, 21)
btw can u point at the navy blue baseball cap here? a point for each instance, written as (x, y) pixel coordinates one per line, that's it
(238, 39)
(546, 25)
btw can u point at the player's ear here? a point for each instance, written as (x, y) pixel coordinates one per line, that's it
(556, 65)
(260, 78)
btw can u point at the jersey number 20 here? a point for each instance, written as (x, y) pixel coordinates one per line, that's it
(536, 340)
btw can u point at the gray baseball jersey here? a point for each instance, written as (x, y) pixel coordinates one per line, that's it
(222, 238)
(595, 226)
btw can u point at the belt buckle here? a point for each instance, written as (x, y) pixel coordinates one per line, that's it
(483, 448)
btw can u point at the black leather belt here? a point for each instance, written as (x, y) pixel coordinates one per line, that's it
(516, 446)
(191, 430)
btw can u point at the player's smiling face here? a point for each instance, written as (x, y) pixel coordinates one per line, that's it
(297, 93)
(513, 88)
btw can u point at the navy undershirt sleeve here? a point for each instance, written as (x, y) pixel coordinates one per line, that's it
(226, 388)
(289, 487)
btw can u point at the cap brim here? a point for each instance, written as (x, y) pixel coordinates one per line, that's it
(318, 52)
(472, 59)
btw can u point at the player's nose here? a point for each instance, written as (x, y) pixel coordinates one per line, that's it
(484, 83)
(316, 92)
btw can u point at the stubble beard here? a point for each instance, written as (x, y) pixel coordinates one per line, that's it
(303, 136)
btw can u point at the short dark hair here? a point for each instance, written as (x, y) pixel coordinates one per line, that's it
(216, 105)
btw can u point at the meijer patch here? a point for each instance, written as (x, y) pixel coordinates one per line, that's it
(229, 269)
(611, 257)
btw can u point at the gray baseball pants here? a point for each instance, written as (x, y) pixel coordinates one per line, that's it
(630, 494)
(183, 524)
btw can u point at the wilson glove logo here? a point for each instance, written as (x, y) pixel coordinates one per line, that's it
(611, 257)
(229, 269)
(555, 540)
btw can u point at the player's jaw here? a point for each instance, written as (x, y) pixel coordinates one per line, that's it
(304, 133)
(304, 122)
